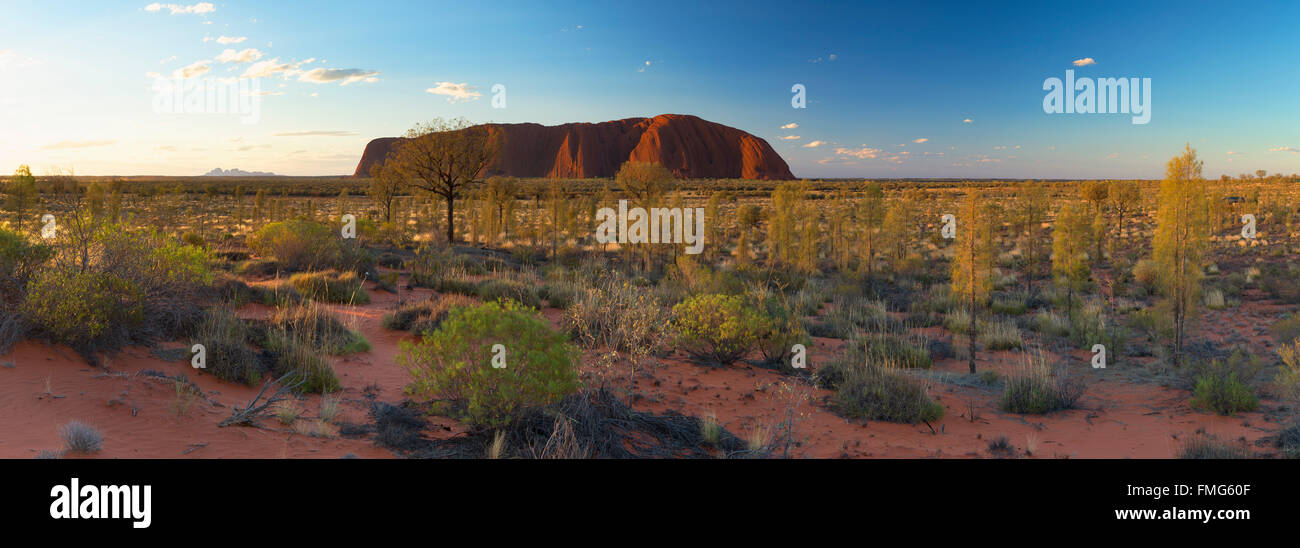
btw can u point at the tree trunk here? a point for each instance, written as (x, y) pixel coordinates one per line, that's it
(451, 217)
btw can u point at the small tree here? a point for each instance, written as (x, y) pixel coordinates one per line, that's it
(1180, 239)
(972, 263)
(870, 215)
(1071, 240)
(445, 158)
(21, 195)
(645, 183)
(385, 184)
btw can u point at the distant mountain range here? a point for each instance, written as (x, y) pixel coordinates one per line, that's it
(218, 172)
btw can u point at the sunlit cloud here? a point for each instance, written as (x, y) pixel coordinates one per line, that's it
(791, 125)
(246, 56)
(814, 144)
(1292, 150)
(863, 153)
(1084, 62)
(790, 138)
(967, 121)
(198, 68)
(455, 92)
(343, 76)
(920, 140)
(201, 8)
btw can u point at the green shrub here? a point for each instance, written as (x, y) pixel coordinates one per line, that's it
(1223, 394)
(785, 331)
(1034, 389)
(83, 309)
(226, 341)
(1010, 306)
(331, 287)
(1286, 329)
(1051, 323)
(298, 244)
(719, 328)
(452, 366)
(19, 260)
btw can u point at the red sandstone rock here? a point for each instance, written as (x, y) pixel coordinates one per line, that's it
(687, 145)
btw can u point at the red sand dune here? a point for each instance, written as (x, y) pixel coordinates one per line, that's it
(688, 145)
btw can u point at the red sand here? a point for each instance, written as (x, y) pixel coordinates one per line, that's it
(49, 386)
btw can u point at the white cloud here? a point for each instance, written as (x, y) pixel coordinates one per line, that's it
(272, 67)
(967, 121)
(201, 8)
(920, 140)
(246, 56)
(1084, 62)
(225, 40)
(455, 92)
(198, 68)
(790, 138)
(863, 153)
(343, 76)
(791, 125)
(814, 144)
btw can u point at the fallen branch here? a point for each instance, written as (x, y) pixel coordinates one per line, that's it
(248, 416)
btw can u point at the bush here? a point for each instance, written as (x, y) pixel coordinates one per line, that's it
(331, 287)
(616, 315)
(498, 288)
(229, 356)
(298, 244)
(1286, 329)
(719, 328)
(879, 392)
(318, 326)
(452, 366)
(425, 315)
(1146, 272)
(1287, 379)
(785, 331)
(1224, 394)
(895, 350)
(957, 321)
(1034, 389)
(79, 437)
(83, 309)
(1051, 323)
(295, 353)
(1011, 306)
(1206, 446)
(1000, 335)
(19, 260)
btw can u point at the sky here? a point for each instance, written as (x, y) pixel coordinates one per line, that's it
(899, 89)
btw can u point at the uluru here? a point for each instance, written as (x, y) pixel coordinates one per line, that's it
(689, 146)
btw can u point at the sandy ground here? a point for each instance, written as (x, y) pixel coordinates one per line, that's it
(43, 387)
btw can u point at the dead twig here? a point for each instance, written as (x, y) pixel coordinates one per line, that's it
(248, 416)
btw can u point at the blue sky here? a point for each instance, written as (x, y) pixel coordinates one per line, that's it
(889, 86)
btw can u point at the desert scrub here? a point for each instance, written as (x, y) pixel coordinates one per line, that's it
(1286, 329)
(331, 287)
(784, 330)
(1051, 323)
(19, 260)
(719, 328)
(849, 315)
(1010, 305)
(298, 244)
(79, 437)
(82, 309)
(957, 321)
(1206, 446)
(1287, 379)
(424, 315)
(502, 288)
(226, 341)
(616, 315)
(296, 355)
(1221, 385)
(1000, 335)
(904, 352)
(878, 391)
(1034, 389)
(315, 323)
(452, 367)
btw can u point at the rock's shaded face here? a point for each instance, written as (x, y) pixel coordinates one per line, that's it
(688, 146)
